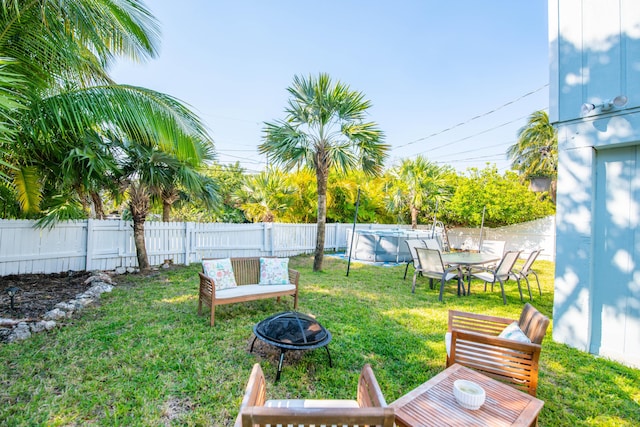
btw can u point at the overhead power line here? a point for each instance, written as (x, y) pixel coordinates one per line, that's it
(473, 118)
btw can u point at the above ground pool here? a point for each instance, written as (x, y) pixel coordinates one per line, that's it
(383, 245)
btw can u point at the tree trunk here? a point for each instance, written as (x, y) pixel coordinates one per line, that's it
(321, 177)
(169, 197)
(98, 207)
(166, 211)
(141, 248)
(414, 217)
(139, 205)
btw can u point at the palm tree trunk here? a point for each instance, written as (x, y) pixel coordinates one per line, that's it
(166, 211)
(414, 217)
(141, 248)
(321, 177)
(139, 204)
(169, 197)
(97, 205)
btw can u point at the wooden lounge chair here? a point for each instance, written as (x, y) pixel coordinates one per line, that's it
(475, 343)
(370, 408)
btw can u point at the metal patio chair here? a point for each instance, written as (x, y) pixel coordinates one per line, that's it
(500, 274)
(431, 266)
(526, 270)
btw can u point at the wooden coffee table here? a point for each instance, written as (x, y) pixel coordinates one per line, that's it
(433, 404)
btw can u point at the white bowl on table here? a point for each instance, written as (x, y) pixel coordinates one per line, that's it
(468, 394)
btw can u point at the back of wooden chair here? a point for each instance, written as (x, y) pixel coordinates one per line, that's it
(372, 410)
(533, 323)
(475, 344)
(261, 416)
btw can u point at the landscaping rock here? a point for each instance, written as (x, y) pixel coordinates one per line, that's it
(44, 325)
(55, 314)
(120, 270)
(20, 332)
(100, 277)
(20, 329)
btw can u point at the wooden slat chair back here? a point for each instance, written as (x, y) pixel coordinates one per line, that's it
(533, 323)
(475, 344)
(370, 408)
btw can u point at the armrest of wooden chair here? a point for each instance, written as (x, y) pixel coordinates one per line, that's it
(256, 392)
(509, 361)
(369, 393)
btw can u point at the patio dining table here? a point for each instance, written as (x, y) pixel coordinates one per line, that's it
(466, 260)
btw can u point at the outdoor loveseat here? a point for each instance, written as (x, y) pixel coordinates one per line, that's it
(233, 280)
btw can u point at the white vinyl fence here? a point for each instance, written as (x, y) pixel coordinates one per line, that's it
(108, 244)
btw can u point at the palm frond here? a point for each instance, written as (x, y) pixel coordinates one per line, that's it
(26, 182)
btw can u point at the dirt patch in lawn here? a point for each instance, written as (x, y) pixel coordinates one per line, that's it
(39, 293)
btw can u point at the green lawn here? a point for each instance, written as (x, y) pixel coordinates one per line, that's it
(144, 358)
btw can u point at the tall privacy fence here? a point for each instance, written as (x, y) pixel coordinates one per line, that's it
(108, 244)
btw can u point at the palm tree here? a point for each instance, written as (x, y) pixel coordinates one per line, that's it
(324, 128)
(265, 196)
(535, 154)
(418, 184)
(147, 171)
(55, 90)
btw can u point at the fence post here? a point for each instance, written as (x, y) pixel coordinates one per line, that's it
(188, 236)
(88, 263)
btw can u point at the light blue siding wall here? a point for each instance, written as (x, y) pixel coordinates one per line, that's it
(595, 56)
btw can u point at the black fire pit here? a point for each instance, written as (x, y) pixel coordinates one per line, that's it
(291, 330)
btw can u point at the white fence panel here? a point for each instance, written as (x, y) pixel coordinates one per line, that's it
(527, 236)
(24, 249)
(215, 240)
(108, 244)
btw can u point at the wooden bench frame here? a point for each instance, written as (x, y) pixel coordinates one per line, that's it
(247, 272)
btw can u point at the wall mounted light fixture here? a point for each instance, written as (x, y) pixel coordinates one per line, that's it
(618, 101)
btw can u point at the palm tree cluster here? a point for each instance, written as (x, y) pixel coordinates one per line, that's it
(69, 133)
(535, 153)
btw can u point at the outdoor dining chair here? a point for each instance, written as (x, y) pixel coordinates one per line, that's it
(431, 266)
(500, 274)
(526, 270)
(492, 247)
(412, 244)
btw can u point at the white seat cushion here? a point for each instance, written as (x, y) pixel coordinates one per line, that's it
(244, 290)
(514, 333)
(311, 403)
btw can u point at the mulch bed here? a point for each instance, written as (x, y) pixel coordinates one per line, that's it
(39, 293)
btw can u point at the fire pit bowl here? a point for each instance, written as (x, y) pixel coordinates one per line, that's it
(291, 330)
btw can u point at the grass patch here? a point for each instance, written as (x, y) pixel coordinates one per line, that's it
(144, 357)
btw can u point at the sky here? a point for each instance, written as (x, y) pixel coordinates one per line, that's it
(451, 80)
